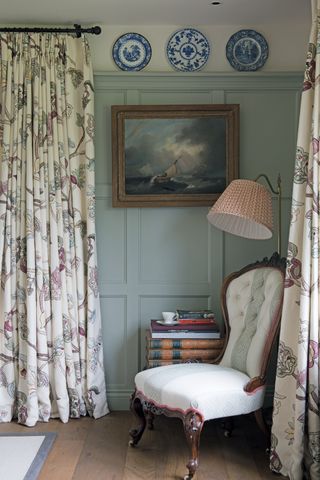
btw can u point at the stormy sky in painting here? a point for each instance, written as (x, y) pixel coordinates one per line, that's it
(152, 145)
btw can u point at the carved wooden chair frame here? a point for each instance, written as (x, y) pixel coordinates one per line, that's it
(145, 409)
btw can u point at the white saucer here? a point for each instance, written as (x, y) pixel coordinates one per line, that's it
(162, 322)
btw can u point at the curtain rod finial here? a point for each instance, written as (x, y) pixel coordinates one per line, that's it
(96, 30)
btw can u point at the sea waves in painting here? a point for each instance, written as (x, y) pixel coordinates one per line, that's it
(173, 185)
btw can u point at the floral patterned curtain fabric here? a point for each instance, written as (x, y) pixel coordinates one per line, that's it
(51, 359)
(295, 442)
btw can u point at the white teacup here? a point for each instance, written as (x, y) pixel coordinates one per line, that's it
(168, 317)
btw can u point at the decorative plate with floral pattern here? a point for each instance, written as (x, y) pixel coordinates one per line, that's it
(188, 50)
(131, 52)
(247, 50)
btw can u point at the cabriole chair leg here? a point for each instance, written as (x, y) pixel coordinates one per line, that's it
(228, 426)
(193, 424)
(137, 408)
(262, 423)
(264, 427)
(150, 420)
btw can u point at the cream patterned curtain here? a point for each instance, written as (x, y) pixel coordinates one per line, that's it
(295, 442)
(51, 359)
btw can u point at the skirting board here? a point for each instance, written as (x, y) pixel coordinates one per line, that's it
(119, 400)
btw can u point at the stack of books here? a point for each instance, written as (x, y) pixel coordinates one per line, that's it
(192, 338)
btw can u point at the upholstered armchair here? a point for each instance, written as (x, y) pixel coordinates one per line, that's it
(251, 301)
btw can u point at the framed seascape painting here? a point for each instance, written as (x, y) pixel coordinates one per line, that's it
(173, 155)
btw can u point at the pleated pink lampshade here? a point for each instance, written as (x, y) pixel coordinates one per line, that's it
(244, 209)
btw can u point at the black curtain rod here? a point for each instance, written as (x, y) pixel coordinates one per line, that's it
(78, 30)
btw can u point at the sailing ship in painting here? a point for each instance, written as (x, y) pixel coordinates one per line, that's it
(175, 180)
(168, 174)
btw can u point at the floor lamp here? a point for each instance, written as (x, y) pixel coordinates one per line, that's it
(245, 209)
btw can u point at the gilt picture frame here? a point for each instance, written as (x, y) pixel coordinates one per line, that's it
(173, 155)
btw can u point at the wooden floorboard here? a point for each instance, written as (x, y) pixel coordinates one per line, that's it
(88, 449)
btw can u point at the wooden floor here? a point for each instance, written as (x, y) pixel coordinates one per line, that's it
(88, 449)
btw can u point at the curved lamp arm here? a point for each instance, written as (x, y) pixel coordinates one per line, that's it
(278, 193)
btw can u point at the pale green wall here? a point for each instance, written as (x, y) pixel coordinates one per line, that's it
(152, 260)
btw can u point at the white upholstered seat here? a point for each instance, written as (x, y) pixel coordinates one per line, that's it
(213, 391)
(251, 301)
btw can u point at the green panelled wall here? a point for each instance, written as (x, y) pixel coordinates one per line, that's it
(155, 259)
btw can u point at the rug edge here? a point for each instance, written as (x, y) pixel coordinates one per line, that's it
(40, 458)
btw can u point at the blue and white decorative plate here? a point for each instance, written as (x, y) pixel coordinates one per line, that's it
(247, 50)
(131, 52)
(188, 50)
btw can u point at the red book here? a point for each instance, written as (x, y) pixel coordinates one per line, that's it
(196, 321)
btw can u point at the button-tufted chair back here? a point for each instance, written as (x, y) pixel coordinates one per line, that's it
(251, 304)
